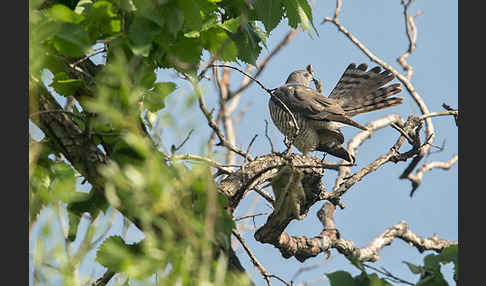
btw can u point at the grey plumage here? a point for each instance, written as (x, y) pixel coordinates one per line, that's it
(319, 118)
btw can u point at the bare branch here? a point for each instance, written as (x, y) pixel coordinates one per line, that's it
(268, 137)
(357, 140)
(224, 168)
(174, 149)
(388, 275)
(249, 216)
(255, 261)
(455, 113)
(246, 74)
(417, 178)
(411, 31)
(213, 125)
(103, 280)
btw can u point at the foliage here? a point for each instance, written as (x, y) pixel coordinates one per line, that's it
(183, 220)
(430, 274)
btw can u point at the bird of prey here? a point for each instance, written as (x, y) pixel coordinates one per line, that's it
(319, 118)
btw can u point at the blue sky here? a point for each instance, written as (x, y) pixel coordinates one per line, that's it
(380, 200)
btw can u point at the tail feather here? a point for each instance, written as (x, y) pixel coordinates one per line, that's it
(346, 120)
(384, 103)
(376, 100)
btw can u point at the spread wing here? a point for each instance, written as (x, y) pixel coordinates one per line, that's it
(362, 91)
(312, 105)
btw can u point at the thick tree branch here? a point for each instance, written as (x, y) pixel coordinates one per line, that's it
(302, 247)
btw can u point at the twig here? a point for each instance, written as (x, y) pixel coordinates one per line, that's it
(203, 159)
(264, 194)
(249, 216)
(212, 124)
(103, 280)
(174, 149)
(249, 146)
(389, 275)
(456, 117)
(254, 260)
(412, 38)
(417, 178)
(268, 137)
(101, 50)
(251, 77)
(443, 113)
(357, 140)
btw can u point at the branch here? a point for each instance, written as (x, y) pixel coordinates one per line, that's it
(411, 31)
(103, 280)
(223, 168)
(68, 138)
(357, 140)
(213, 125)
(255, 261)
(263, 168)
(302, 247)
(417, 178)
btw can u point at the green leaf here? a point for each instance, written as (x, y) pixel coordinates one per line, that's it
(174, 19)
(374, 280)
(341, 278)
(231, 25)
(101, 20)
(219, 43)
(141, 34)
(114, 254)
(39, 183)
(432, 262)
(72, 40)
(356, 263)
(449, 254)
(299, 12)
(65, 85)
(154, 100)
(184, 55)
(270, 12)
(414, 268)
(62, 13)
(63, 186)
(117, 256)
(92, 203)
(192, 15)
(248, 43)
(307, 10)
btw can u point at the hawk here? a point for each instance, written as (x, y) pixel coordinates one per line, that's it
(319, 118)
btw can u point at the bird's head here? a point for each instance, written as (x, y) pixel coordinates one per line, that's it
(300, 77)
